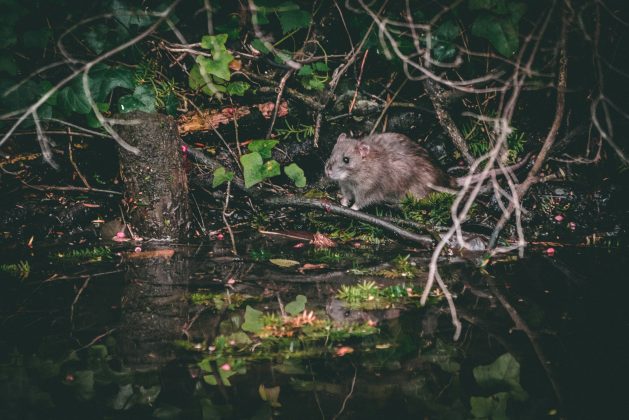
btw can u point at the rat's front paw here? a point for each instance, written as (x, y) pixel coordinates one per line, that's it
(355, 207)
(344, 201)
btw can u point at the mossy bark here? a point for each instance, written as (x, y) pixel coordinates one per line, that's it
(156, 185)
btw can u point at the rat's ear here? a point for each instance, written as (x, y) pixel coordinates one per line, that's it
(363, 149)
(341, 137)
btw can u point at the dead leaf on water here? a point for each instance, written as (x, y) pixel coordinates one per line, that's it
(280, 262)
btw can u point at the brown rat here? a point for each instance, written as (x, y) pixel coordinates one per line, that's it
(382, 168)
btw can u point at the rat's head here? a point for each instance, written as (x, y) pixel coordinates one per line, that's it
(347, 157)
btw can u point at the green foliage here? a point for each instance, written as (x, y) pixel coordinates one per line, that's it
(263, 147)
(476, 136)
(313, 76)
(212, 75)
(221, 175)
(89, 255)
(299, 133)
(497, 22)
(296, 174)
(20, 269)
(142, 99)
(434, 209)
(443, 47)
(297, 306)
(256, 170)
(290, 16)
(362, 292)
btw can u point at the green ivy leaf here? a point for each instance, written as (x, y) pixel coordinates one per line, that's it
(92, 121)
(237, 88)
(217, 67)
(72, 98)
(128, 16)
(96, 38)
(221, 175)
(500, 31)
(103, 79)
(251, 168)
(258, 44)
(502, 374)
(294, 19)
(320, 66)
(264, 147)
(305, 70)
(206, 84)
(214, 43)
(296, 174)
(270, 169)
(142, 99)
(297, 306)
(253, 320)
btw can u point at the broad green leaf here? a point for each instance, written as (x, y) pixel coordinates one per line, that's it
(493, 407)
(103, 79)
(281, 262)
(128, 16)
(221, 175)
(72, 98)
(196, 80)
(142, 99)
(313, 83)
(320, 66)
(270, 169)
(297, 306)
(171, 103)
(502, 374)
(96, 38)
(305, 70)
(218, 67)
(237, 88)
(264, 147)
(500, 31)
(258, 44)
(294, 19)
(251, 168)
(92, 121)
(253, 320)
(296, 174)
(214, 43)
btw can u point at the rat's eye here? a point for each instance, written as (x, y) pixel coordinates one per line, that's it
(346, 159)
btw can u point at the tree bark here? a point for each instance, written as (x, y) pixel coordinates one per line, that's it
(156, 185)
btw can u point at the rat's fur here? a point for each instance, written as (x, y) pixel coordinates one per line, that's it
(382, 168)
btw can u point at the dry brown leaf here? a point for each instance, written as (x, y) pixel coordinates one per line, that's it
(322, 241)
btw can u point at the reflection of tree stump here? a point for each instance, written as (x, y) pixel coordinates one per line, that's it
(154, 310)
(155, 180)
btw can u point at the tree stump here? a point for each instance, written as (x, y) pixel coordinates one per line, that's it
(156, 185)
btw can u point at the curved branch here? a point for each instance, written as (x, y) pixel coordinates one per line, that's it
(423, 240)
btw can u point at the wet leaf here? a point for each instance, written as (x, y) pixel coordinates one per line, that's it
(297, 306)
(280, 262)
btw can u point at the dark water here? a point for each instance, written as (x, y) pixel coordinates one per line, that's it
(164, 338)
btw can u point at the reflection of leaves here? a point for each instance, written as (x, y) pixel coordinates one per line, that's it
(270, 395)
(493, 407)
(253, 320)
(297, 306)
(502, 374)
